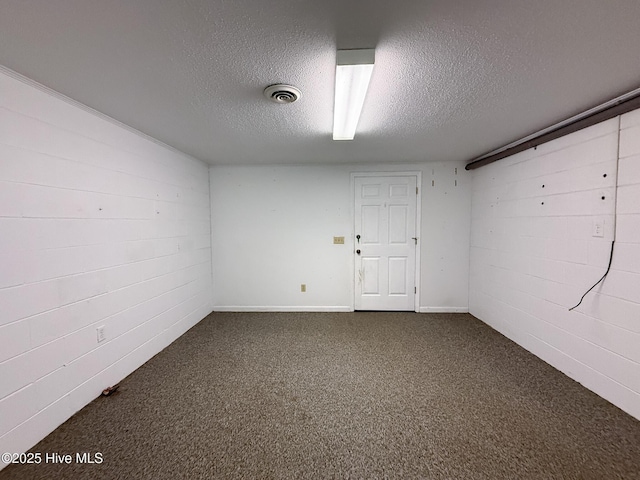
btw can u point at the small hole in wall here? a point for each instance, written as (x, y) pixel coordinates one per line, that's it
(603, 197)
(605, 175)
(542, 203)
(542, 186)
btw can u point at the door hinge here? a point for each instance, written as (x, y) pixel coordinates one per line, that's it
(415, 289)
(416, 190)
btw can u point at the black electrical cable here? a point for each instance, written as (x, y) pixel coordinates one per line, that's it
(601, 278)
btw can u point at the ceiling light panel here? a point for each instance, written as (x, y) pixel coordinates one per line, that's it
(353, 73)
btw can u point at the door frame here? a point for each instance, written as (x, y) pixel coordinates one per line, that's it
(414, 173)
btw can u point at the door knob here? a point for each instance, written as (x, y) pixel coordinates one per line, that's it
(358, 251)
(358, 238)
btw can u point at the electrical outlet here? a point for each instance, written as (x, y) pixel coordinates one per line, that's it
(303, 287)
(598, 227)
(100, 333)
(338, 240)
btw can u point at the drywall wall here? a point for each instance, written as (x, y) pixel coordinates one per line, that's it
(536, 249)
(273, 229)
(99, 226)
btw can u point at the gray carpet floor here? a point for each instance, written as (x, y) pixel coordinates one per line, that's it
(345, 395)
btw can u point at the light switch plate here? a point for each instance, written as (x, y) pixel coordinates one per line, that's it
(338, 240)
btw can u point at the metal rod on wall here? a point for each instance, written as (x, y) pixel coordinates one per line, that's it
(617, 106)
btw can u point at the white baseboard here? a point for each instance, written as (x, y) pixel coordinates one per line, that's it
(444, 310)
(323, 308)
(232, 308)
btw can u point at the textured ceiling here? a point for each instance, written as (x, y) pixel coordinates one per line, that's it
(453, 79)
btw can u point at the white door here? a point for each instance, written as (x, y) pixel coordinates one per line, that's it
(385, 242)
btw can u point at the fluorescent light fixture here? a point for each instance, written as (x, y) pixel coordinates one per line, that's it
(353, 72)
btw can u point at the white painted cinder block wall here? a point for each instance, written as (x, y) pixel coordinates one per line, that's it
(534, 253)
(273, 229)
(99, 226)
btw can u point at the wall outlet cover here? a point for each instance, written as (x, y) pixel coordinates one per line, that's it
(598, 227)
(101, 334)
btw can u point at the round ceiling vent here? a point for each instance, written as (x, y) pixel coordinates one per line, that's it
(280, 93)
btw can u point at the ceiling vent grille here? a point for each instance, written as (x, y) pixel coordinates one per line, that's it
(280, 93)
